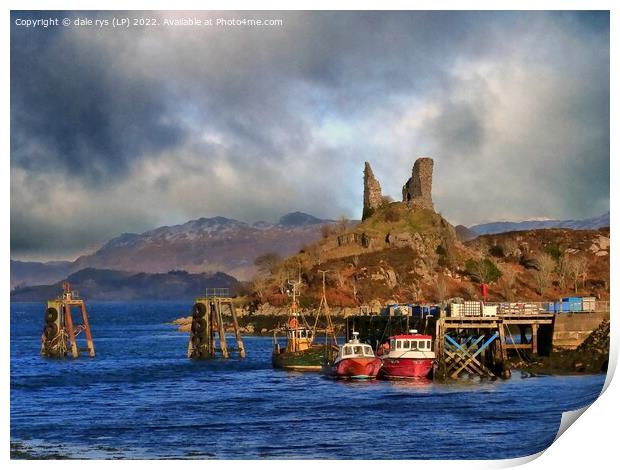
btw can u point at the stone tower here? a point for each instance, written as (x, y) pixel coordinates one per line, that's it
(417, 189)
(372, 192)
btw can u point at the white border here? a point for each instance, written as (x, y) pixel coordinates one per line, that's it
(589, 444)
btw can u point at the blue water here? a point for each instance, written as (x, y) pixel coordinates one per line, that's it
(142, 398)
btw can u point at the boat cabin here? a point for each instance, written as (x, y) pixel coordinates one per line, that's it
(355, 350)
(411, 343)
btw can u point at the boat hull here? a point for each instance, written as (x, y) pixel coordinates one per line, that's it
(308, 360)
(355, 368)
(405, 368)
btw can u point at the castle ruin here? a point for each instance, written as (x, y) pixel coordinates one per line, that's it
(416, 191)
(372, 192)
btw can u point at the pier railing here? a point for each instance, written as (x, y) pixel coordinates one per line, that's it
(217, 292)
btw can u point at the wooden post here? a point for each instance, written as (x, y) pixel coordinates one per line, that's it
(534, 338)
(89, 338)
(69, 325)
(237, 331)
(211, 322)
(223, 346)
(502, 340)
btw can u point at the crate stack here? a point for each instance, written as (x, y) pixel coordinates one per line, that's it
(472, 308)
(518, 308)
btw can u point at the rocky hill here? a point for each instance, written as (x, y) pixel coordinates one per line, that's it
(406, 252)
(105, 284)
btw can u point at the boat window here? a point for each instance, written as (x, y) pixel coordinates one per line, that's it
(399, 344)
(359, 350)
(414, 345)
(347, 351)
(406, 344)
(302, 333)
(428, 345)
(392, 344)
(368, 351)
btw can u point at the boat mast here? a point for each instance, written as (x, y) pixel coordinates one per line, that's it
(329, 329)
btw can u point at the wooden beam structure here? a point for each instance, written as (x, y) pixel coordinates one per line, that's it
(60, 328)
(207, 319)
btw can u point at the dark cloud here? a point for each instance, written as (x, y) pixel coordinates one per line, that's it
(149, 126)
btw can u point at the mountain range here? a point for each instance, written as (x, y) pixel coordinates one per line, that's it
(220, 244)
(501, 227)
(107, 284)
(201, 245)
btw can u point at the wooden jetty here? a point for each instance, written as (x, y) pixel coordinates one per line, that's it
(207, 321)
(60, 329)
(478, 344)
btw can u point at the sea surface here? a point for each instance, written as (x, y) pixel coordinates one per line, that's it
(141, 398)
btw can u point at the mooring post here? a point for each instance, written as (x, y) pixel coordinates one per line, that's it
(212, 323)
(70, 331)
(89, 338)
(240, 346)
(223, 345)
(502, 340)
(534, 338)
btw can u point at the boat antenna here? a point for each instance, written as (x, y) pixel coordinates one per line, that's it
(324, 306)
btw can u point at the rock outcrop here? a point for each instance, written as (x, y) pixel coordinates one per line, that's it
(417, 189)
(372, 192)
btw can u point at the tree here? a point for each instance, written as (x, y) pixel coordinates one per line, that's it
(509, 276)
(562, 270)
(268, 262)
(578, 270)
(546, 266)
(343, 224)
(441, 289)
(327, 230)
(483, 271)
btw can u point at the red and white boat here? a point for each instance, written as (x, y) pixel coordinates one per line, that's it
(354, 361)
(407, 356)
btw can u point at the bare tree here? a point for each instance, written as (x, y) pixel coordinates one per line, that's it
(562, 270)
(509, 277)
(343, 224)
(441, 289)
(259, 284)
(327, 230)
(578, 270)
(546, 266)
(268, 262)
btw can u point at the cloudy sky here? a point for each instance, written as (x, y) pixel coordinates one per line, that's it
(122, 130)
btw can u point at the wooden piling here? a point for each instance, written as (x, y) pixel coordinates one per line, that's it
(70, 331)
(89, 338)
(214, 325)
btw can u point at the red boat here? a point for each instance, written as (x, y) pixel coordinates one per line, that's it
(354, 361)
(407, 356)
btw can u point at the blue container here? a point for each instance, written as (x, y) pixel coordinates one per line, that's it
(551, 307)
(416, 312)
(434, 311)
(576, 306)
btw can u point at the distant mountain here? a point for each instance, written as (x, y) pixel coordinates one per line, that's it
(32, 273)
(201, 245)
(500, 227)
(105, 284)
(300, 219)
(464, 234)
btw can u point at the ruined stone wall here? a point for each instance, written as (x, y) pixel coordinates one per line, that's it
(372, 192)
(418, 188)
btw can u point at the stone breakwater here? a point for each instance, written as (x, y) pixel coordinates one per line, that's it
(591, 357)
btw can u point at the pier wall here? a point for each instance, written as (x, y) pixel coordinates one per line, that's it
(571, 329)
